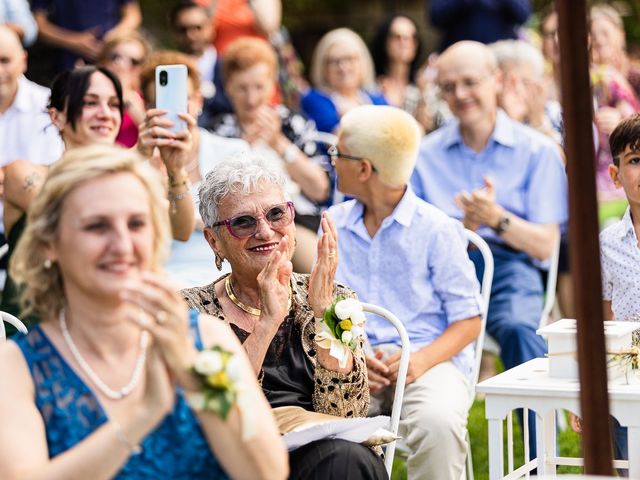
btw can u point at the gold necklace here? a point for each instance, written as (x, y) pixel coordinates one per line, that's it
(250, 310)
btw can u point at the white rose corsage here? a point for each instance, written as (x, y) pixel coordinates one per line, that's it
(340, 328)
(219, 372)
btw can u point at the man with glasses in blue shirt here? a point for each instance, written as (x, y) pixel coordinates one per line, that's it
(503, 180)
(405, 255)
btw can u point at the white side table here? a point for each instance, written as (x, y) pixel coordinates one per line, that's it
(529, 386)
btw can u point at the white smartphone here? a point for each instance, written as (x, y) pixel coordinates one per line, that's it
(171, 93)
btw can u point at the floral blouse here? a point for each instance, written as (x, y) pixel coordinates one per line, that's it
(333, 393)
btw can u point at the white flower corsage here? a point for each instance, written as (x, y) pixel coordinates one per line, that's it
(340, 328)
(219, 372)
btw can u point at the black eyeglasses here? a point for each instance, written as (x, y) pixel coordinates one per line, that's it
(245, 226)
(334, 154)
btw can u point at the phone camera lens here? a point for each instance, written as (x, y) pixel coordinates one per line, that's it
(164, 78)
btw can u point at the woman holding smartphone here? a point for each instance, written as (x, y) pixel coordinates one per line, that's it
(86, 108)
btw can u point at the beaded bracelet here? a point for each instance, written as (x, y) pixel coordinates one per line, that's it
(133, 448)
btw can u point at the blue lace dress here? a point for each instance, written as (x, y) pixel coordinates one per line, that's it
(176, 449)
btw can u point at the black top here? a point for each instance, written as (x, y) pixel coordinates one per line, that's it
(288, 373)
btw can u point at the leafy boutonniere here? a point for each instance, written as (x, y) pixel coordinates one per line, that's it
(340, 328)
(218, 371)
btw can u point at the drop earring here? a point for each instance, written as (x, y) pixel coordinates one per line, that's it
(218, 261)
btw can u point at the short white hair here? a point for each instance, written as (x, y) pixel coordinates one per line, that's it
(518, 53)
(246, 173)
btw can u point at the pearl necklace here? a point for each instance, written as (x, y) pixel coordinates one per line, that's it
(93, 376)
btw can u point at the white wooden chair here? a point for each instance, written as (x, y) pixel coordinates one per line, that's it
(485, 290)
(7, 317)
(402, 377)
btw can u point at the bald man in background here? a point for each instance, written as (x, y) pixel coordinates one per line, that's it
(505, 181)
(502, 179)
(26, 131)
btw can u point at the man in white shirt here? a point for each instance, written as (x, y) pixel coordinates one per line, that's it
(26, 131)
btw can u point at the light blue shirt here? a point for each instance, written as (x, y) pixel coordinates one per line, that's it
(416, 266)
(18, 12)
(525, 166)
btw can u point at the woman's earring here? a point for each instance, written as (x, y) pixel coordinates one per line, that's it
(218, 261)
(47, 263)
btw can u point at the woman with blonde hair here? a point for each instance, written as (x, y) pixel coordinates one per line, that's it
(343, 77)
(100, 386)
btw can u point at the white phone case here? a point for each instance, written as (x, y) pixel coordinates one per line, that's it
(171, 93)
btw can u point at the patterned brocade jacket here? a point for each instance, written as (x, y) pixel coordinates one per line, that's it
(339, 394)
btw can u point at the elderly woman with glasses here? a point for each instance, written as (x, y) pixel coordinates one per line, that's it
(343, 78)
(249, 222)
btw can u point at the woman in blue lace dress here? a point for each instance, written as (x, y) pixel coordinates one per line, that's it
(97, 389)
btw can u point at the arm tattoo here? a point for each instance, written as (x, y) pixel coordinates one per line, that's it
(31, 180)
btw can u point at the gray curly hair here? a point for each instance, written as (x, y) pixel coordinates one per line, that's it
(240, 174)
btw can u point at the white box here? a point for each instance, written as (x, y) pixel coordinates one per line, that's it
(563, 350)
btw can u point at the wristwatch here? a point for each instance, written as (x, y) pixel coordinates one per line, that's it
(503, 224)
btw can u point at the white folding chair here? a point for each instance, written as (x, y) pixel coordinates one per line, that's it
(550, 287)
(7, 317)
(485, 290)
(402, 377)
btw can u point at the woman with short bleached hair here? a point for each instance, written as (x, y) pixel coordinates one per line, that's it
(99, 387)
(417, 258)
(343, 77)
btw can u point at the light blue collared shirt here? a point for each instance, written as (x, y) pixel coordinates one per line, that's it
(18, 12)
(416, 266)
(525, 166)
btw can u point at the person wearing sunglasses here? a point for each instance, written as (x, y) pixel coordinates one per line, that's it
(250, 223)
(405, 255)
(124, 56)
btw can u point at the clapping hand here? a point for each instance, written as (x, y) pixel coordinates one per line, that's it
(274, 283)
(266, 127)
(479, 206)
(324, 271)
(164, 314)
(321, 287)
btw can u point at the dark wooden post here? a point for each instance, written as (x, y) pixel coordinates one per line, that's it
(583, 227)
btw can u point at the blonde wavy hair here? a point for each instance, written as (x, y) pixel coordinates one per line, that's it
(42, 288)
(341, 36)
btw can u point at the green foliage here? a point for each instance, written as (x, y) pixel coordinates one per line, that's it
(568, 441)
